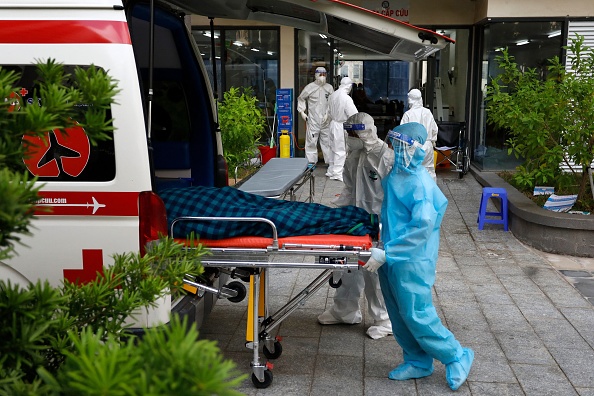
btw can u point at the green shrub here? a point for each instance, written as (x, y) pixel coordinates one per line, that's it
(242, 124)
(73, 339)
(550, 121)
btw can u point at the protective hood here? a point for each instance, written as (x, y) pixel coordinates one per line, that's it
(346, 84)
(415, 99)
(407, 141)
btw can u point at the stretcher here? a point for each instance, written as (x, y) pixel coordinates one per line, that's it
(248, 258)
(281, 178)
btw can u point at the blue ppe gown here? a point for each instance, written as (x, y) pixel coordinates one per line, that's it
(412, 211)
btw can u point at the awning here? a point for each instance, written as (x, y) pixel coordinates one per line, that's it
(343, 21)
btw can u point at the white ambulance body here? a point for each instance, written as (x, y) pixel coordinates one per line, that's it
(103, 200)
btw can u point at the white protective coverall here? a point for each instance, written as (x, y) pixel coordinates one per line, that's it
(312, 104)
(422, 115)
(340, 107)
(368, 161)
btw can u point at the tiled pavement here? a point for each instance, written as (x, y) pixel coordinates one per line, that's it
(521, 311)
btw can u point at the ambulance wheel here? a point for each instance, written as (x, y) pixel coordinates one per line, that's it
(264, 384)
(239, 288)
(334, 285)
(278, 350)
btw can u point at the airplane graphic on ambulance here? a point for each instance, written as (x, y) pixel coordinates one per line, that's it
(100, 200)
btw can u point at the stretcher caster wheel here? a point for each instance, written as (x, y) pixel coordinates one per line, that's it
(334, 285)
(264, 384)
(278, 350)
(239, 288)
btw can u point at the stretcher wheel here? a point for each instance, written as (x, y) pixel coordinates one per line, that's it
(239, 288)
(264, 384)
(278, 350)
(334, 285)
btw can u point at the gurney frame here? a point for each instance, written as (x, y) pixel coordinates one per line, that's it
(253, 263)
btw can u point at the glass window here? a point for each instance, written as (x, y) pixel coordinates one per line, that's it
(531, 44)
(244, 57)
(60, 156)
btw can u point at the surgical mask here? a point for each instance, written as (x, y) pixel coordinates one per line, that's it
(321, 79)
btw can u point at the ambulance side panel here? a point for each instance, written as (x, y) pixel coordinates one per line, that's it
(91, 220)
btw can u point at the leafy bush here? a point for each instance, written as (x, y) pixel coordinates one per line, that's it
(550, 121)
(73, 339)
(242, 124)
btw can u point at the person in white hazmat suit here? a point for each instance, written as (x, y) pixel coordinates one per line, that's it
(340, 107)
(368, 161)
(312, 104)
(422, 115)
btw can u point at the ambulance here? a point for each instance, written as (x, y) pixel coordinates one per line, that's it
(104, 199)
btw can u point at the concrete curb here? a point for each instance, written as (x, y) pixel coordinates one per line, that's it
(560, 233)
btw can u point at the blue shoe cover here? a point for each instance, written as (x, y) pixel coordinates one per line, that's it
(457, 372)
(407, 371)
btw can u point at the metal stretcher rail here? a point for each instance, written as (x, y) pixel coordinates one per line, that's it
(332, 259)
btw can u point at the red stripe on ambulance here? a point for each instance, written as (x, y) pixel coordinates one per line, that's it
(64, 32)
(75, 203)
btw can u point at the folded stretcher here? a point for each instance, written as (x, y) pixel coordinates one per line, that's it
(281, 178)
(248, 258)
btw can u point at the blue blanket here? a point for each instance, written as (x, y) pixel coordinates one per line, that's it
(291, 218)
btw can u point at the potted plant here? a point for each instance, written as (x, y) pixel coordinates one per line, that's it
(242, 124)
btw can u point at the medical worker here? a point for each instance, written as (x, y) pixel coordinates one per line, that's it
(368, 161)
(412, 211)
(312, 104)
(422, 115)
(340, 107)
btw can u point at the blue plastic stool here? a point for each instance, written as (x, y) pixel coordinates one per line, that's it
(493, 192)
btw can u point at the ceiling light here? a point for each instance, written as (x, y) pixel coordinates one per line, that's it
(328, 42)
(523, 42)
(554, 34)
(238, 43)
(255, 49)
(270, 53)
(323, 36)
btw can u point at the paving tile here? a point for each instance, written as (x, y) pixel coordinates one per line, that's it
(543, 380)
(576, 364)
(495, 389)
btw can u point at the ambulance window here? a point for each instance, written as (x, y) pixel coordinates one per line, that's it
(170, 116)
(64, 156)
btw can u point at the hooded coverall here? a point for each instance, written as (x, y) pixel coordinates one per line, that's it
(340, 108)
(412, 211)
(422, 115)
(314, 100)
(367, 162)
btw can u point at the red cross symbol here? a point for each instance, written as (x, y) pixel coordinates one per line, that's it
(92, 263)
(284, 119)
(24, 91)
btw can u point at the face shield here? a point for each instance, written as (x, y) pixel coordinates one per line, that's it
(408, 148)
(320, 75)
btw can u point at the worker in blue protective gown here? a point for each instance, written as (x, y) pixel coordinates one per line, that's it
(412, 211)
